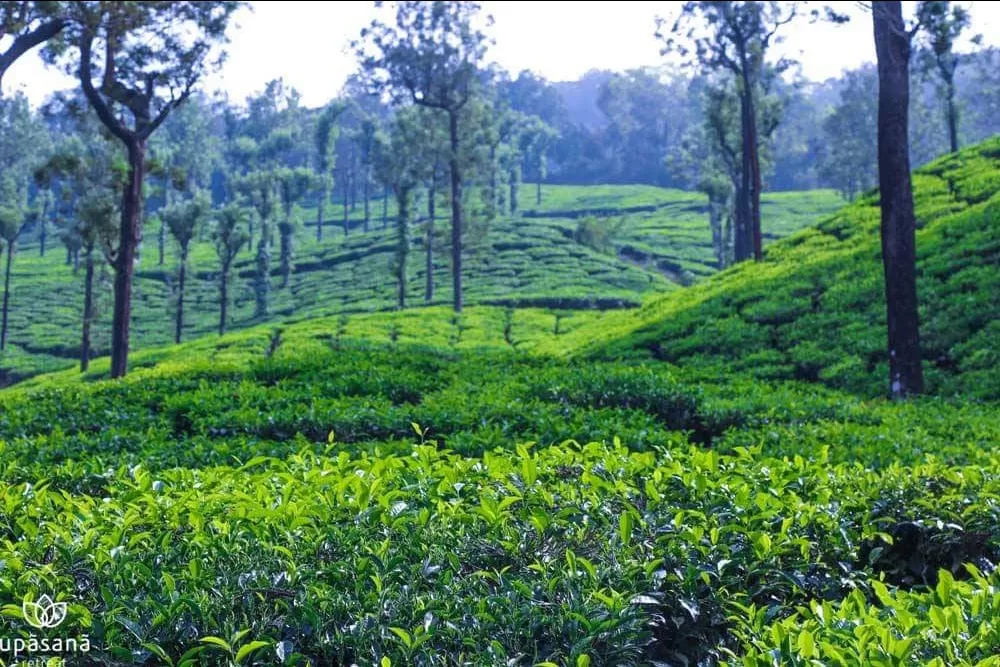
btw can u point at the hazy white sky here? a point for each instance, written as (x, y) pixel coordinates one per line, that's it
(306, 43)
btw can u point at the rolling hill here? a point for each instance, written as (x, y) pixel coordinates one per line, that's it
(534, 259)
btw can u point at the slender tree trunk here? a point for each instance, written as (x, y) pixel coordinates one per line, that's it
(180, 294)
(514, 179)
(494, 182)
(43, 234)
(347, 224)
(263, 278)
(285, 258)
(538, 192)
(751, 179)
(76, 260)
(431, 196)
(385, 207)
(354, 183)
(367, 198)
(162, 239)
(456, 212)
(403, 245)
(88, 310)
(69, 256)
(6, 295)
(125, 262)
(744, 218)
(319, 214)
(952, 115)
(223, 297)
(892, 46)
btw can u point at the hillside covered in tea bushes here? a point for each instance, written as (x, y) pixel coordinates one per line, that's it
(815, 309)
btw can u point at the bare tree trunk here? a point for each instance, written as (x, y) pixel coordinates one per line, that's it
(43, 234)
(354, 182)
(952, 114)
(125, 262)
(385, 207)
(319, 214)
(367, 198)
(180, 295)
(6, 295)
(538, 192)
(162, 239)
(751, 179)
(347, 224)
(88, 310)
(456, 212)
(223, 297)
(431, 196)
(514, 178)
(403, 245)
(892, 46)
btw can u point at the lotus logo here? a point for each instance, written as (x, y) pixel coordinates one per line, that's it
(44, 613)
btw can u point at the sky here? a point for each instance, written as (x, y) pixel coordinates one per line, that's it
(307, 44)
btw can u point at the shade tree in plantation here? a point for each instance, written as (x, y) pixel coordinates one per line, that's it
(850, 159)
(183, 220)
(402, 163)
(536, 139)
(136, 63)
(941, 24)
(11, 224)
(89, 169)
(363, 137)
(429, 55)
(260, 189)
(893, 43)
(735, 37)
(229, 235)
(293, 185)
(325, 157)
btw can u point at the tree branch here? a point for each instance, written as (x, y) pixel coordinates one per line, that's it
(28, 41)
(100, 106)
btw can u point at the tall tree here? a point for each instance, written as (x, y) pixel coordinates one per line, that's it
(96, 227)
(183, 220)
(402, 163)
(229, 237)
(11, 223)
(735, 37)
(941, 23)
(152, 55)
(850, 159)
(325, 143)
(293, 185)
(892, 48)
(260, 189)
(430, 56)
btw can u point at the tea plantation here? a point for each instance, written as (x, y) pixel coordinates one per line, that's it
(525, 486)
(541, 257)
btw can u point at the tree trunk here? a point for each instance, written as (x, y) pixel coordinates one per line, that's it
(367, 204)
(538, 192)
(88, 310)
(514, 179)
(162, 239)
(385, 207)
(76, 260)
(223, 297)
(180, 295)
(347, 225)
(125, 261)
(354, 183)
(263, 279)
(750, 176)
(285, 259)
(6, 295)
(43, 234)
(456, 212)
(319, 214)
(403, 245)
(892, 47)
(952, 114)
(431, 213)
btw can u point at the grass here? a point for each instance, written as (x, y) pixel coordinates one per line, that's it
(523, 262)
